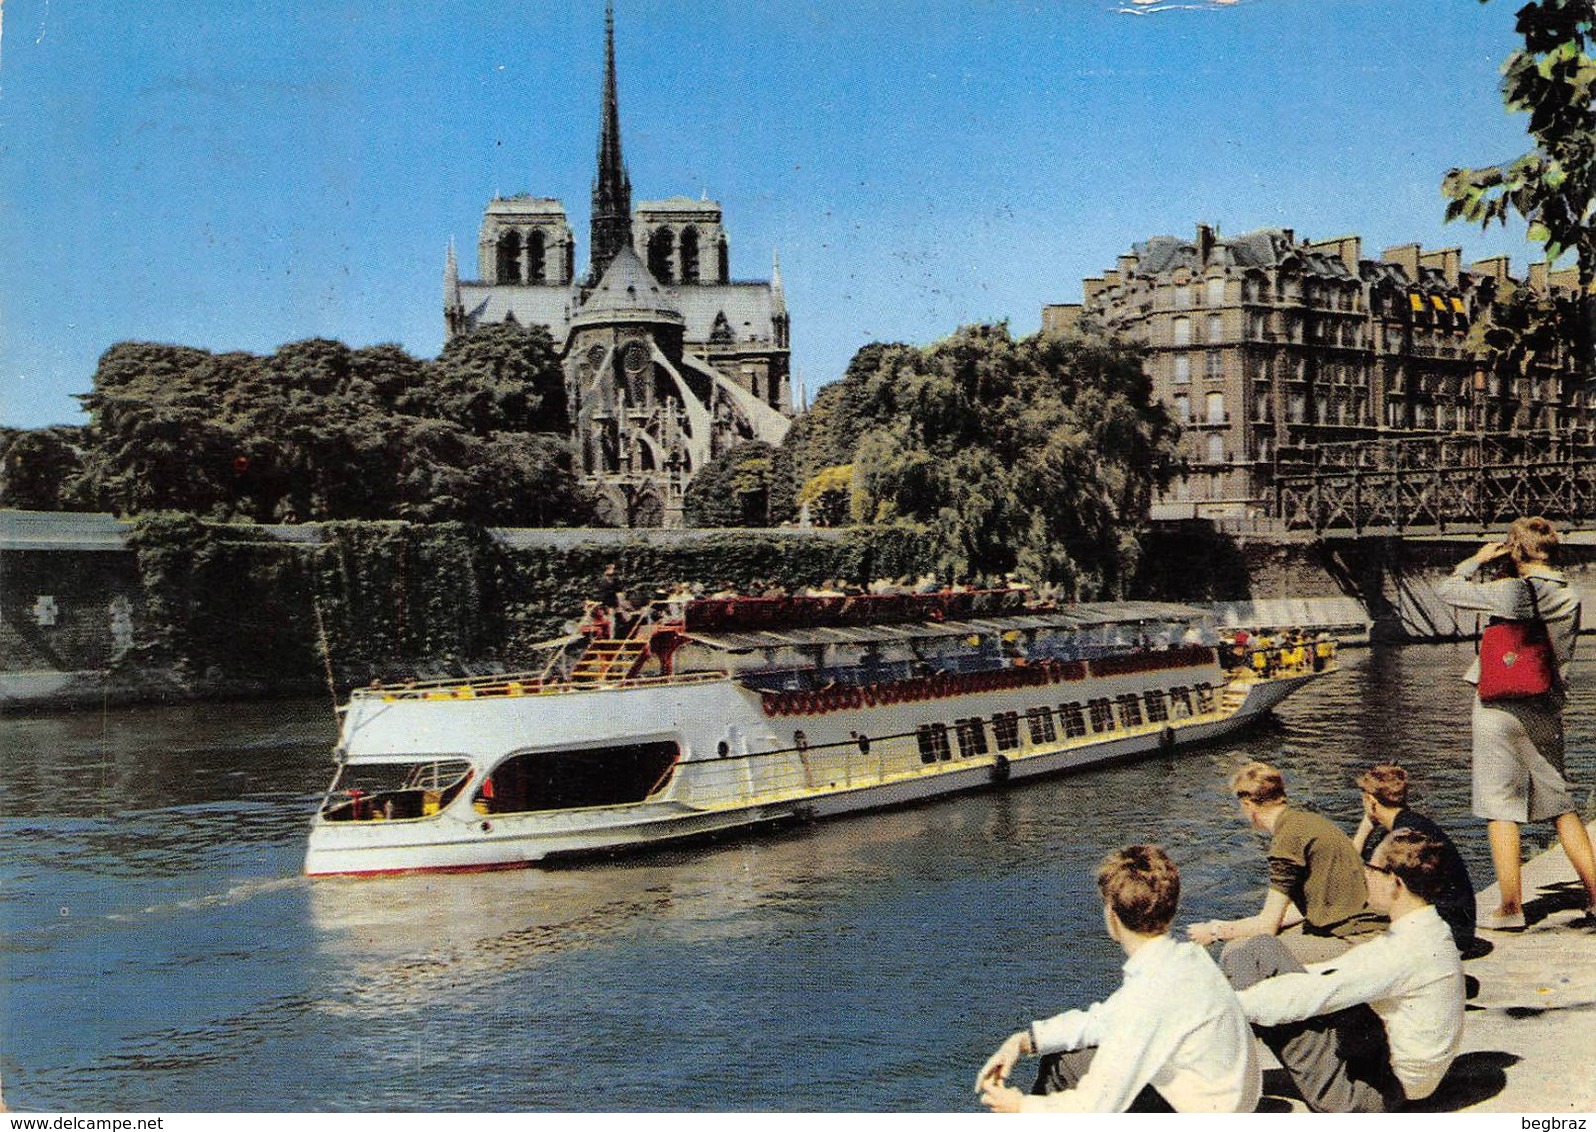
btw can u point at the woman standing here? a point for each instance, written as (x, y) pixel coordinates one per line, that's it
(1518, 744)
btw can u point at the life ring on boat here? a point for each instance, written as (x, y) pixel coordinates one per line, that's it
(1000, 769)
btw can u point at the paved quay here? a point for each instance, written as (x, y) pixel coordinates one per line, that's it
(1529, 1039)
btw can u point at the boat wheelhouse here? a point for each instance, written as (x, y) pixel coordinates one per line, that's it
(712, 716)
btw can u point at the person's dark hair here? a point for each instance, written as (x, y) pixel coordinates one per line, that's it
(1259, 783)
(1388, 783)
(1141, 884)
(1415, 860)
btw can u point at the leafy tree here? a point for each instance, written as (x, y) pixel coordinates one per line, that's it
(39, 466)
(1552, 78)
(1039, 455)
(749, 485)
(829, 496)
(319, 431)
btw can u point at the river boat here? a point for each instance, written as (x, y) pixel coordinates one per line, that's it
(713, 716)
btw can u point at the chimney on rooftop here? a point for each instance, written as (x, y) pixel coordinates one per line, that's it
(1405, 256)
(1447, 260)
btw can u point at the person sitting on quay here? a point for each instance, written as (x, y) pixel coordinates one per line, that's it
(1173, 1036)
(1381, 1024)
(1385, 807)
(1312, 867)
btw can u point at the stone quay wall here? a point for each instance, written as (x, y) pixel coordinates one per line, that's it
(272, 610)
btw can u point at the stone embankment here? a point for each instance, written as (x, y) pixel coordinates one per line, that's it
(1529, 1039)
(76, 621)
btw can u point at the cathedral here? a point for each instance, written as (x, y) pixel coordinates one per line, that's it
(668, 361)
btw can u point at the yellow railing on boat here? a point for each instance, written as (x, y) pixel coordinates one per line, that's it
(523, 684)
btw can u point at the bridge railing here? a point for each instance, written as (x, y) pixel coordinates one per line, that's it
(1558, 484)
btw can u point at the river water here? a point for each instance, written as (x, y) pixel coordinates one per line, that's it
(161, 950)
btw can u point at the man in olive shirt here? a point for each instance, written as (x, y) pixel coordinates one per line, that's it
(1313, 867)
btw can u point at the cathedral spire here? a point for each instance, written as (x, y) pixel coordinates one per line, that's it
(453, 307)
(611, 222)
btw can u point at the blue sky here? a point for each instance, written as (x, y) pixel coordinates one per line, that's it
(235, 174)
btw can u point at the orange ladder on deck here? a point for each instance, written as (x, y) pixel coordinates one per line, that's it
(607, 661)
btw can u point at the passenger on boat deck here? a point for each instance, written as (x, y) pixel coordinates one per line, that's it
(1385, 807)
(1379, 1025)
(676, 599)
(1172, 1037)
(612, 599)
(1312, 867)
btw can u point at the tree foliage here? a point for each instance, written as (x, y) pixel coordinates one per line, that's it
(746, 486)
(319, 431)
(829, 496)
(1552, 79)
(38, 468)
(1039, 455)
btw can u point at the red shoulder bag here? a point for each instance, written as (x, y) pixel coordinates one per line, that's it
(1516, 658)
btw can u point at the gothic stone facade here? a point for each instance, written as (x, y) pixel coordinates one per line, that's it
(668, 361)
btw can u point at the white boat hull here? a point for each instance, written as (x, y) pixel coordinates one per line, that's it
(740, 768)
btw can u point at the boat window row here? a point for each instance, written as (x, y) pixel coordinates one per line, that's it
(1097, 716)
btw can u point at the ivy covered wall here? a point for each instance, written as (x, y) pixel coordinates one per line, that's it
(229, 608)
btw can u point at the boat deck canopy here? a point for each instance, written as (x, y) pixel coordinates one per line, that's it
(1073, 618)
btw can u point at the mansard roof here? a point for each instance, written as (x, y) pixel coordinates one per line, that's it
(1266, 247)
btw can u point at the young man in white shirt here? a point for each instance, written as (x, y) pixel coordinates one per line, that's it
(1172, 1036)
(1379, 1025)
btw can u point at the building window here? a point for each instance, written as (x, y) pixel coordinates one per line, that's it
(1182, 331)
(1216, 327)
(1216, 292)
(1214, 365)
(1182, 369)
(933, 743)
(1041, 722)
(1216, 408)
(1073, 722)
(1006, 730)
(1182, 296)
(1182, 408)
(1216, 448)
(1102, 713)
(1298, 410)
(972, 737)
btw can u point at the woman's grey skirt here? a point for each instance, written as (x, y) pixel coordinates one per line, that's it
(1518, 760)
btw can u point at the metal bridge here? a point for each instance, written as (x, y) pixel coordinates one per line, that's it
(1432, 485)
